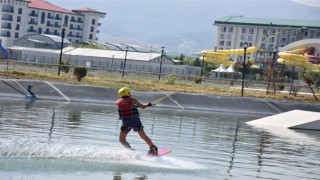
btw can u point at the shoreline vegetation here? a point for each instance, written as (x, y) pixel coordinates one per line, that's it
(156, 85)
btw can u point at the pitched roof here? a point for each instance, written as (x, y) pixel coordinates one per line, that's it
(86, 9)
(240, 20)
(40, 4)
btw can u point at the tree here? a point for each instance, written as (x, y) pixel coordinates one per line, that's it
(197, 62)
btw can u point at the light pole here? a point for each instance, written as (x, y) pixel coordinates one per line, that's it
(62, 38)
(125, 61)
(201, 72)
(162, 51)
(245, 46)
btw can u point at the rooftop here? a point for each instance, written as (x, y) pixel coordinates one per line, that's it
(87, 10)
(241, 20)
(40, 4)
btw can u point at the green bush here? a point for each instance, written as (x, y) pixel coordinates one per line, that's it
(80, 72)
(171, 78)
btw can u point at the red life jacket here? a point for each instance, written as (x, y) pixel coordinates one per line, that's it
(126, 109)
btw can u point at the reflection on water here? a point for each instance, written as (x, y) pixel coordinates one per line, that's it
(62, 140)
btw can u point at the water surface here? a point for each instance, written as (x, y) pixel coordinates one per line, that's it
(55, 140)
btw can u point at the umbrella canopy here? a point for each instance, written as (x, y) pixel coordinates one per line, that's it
(220, 69)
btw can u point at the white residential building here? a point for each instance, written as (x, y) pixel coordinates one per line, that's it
(23, 17)
(234, 31)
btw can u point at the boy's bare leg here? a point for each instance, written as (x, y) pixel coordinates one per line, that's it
(122, 139)
(143, 135)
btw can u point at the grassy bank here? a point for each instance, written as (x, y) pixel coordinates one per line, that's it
(154, 85)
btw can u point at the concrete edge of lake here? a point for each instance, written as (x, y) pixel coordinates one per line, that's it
(44, 90)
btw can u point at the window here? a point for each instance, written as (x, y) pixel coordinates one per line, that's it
(272, 31)
(264, 32)
(66, 20)
(18, 18)
(271, 39)
(221, 43)
(43, 17)
(244, 30)
(230, 30)
(16, 35)
(228, 43)
(229, 36)
(283, 40)
(92, 29)
(90, 36)
(250, 38)
(20, 11)
(224, 29)
(292, 40)
(18, 27)
(243, 37)
(221, 36)
(93, 22)
(251, 31)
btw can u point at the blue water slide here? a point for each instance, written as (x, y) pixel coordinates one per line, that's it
(4, 51)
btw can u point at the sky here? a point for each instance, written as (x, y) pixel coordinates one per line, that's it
(182, 26)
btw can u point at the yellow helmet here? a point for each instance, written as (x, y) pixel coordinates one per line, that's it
(125, 91)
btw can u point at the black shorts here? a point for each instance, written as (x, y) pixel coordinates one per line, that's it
(127, 129)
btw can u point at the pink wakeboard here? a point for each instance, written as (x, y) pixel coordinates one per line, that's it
(161, 152)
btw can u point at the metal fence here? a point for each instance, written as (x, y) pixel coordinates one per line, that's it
(208, 79)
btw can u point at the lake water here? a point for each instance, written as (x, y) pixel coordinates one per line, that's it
(56, 140)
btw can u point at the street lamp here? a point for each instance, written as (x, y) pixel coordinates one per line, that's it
(162, 51)
(201, 72)
(245, 46)
(125, 61)
(62, 38)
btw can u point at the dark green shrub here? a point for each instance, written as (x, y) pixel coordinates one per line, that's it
(80, 72)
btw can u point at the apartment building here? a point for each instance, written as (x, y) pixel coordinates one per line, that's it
(24, 17)
(268, 34)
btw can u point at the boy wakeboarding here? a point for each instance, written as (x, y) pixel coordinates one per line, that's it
(129, 114)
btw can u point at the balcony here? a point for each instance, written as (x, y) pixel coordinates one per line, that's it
(8, 10)
(79, 21)
(50, 17)
(6, 27)
(57, 26)
(48, 32)
(5, 35)
(32, 31)
(72, 28)
(58, 18)
(57, 34)
(33, 14)
(49, 25)
(7, 19)
(32, 22)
